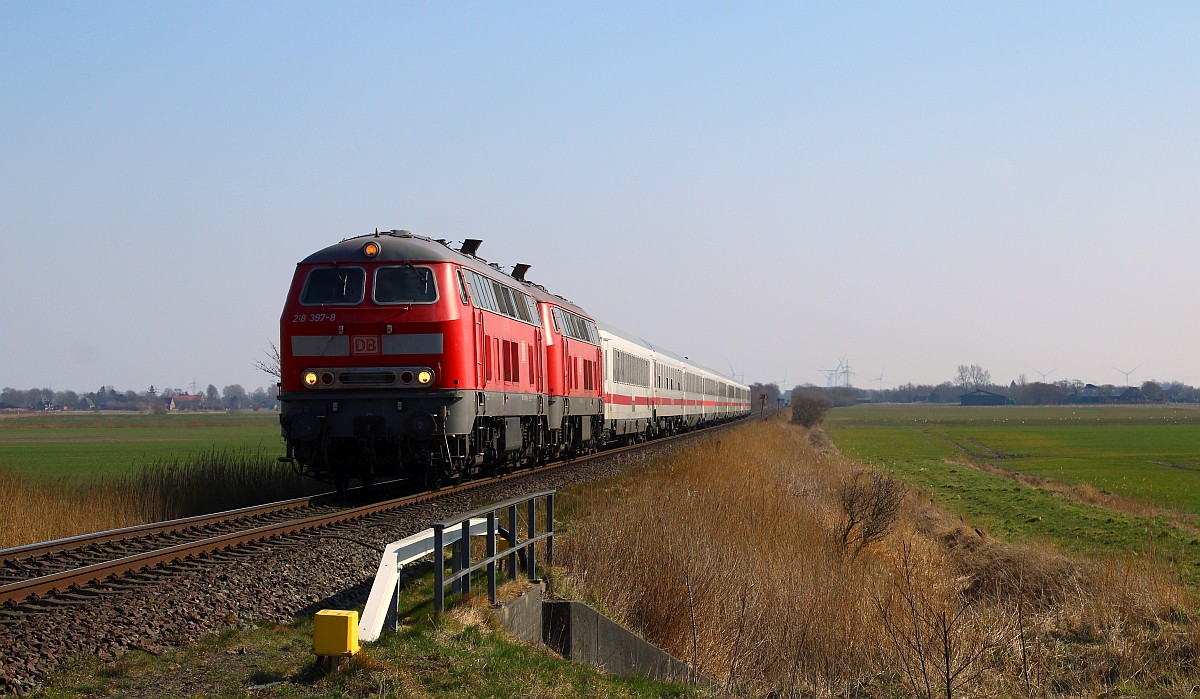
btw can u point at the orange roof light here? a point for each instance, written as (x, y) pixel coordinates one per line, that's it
(371, 249)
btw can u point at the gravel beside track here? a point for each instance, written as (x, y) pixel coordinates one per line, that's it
(273, 580)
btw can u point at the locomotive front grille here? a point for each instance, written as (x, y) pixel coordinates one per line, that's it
(367, 378)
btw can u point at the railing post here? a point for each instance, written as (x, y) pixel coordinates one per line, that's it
(550, 528)
(491, 555)
(439, 571)
(531, 549)
(512, 543)
(465, 541)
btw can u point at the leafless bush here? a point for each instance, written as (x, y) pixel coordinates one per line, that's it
(869, 504)
(808, 409)
(940, 637)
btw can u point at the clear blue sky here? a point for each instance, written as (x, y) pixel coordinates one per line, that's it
(774, 186)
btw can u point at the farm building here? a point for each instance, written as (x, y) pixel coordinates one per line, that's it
(183, 402)
(982, 397)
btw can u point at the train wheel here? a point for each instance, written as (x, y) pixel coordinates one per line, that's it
(341, 483)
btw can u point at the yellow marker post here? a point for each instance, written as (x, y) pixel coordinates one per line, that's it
(335, 635)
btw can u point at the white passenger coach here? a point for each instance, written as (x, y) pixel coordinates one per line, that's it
(650, 391)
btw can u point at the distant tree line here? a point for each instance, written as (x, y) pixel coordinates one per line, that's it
(232, 397)
(973, 377)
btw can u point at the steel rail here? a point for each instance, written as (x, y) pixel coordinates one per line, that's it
(58, 582)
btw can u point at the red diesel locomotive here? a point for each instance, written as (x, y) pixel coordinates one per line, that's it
(403, 356)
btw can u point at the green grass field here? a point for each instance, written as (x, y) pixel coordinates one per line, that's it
(83, 445)
(1147, 453)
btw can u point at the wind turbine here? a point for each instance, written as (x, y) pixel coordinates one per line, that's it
(1044, 373)
(836, 376)
(880, 380)
(1127, 373)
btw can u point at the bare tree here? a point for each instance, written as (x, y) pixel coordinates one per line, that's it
(972, 377)
(273, 364)
(235, 397)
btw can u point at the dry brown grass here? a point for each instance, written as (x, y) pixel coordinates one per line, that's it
(33, 510)
(731, 554)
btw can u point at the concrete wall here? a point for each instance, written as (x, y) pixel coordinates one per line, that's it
(523, 615)
(583, 635)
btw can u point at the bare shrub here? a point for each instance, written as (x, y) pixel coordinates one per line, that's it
(940, 637)
(808, 409)
(869, 504)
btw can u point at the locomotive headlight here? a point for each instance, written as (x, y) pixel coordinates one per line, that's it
(371, 249)
(310, 378)
(424, 377)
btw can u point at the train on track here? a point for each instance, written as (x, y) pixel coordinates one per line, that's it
(402, 356)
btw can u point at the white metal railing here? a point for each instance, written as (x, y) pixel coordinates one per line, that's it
(396, 555)
(450, 532)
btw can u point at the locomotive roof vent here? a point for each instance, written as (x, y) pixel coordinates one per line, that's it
(401, 233)
(470, 246)
(519, 271)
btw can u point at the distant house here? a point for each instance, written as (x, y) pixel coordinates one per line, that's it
(1091, 394)
(982, 397)
(1131, 394)
(183, 402)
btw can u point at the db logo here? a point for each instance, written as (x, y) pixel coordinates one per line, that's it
(364, 344)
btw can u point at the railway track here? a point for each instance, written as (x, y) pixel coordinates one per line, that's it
(66, 565)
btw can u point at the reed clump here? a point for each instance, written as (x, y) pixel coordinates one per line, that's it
(33, 510)
(772, 564)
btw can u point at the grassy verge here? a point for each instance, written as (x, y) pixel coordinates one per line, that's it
(463, 655)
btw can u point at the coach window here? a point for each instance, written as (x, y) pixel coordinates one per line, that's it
(334, 286)
(406, 284)
(462, 288)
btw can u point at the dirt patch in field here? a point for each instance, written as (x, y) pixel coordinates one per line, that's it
(1083, 492)
(977, 450)
(1189, 466)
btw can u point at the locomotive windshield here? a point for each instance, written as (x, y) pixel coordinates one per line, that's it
(405, 284)
(338, 286)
